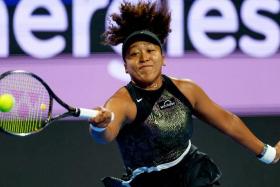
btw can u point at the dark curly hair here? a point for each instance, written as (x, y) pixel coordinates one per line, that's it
(154, 17)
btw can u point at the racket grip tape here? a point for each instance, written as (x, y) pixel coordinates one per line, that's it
(87, 113)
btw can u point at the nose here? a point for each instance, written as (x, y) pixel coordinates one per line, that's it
(144, 57)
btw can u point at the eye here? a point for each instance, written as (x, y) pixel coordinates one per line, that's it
(151, 49)
(132, 54)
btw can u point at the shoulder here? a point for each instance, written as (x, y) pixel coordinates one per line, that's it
(122, 101)
(183, 83)
(188, 87)
(122, 95)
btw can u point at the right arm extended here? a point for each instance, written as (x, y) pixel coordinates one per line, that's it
(121, 106)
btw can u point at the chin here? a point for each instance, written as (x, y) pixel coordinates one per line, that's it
(148, 78)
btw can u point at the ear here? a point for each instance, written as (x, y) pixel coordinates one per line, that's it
(125, 67)
(163, 62)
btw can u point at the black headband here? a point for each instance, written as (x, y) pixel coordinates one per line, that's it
(142, 35)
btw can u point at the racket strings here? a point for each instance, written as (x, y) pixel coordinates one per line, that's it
(30, 95)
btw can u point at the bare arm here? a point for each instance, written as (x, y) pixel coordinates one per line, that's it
(118, 105)
(226, 122)
(223, 120)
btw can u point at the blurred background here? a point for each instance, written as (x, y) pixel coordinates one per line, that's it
(229, 48)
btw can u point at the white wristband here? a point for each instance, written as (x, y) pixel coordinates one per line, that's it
(96, 129)
(268, 155)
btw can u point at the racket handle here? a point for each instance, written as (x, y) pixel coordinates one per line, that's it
(87, 113)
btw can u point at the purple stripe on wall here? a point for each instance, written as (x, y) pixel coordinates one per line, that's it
(244, 85)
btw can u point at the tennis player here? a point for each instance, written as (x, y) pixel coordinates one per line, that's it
(151, 117)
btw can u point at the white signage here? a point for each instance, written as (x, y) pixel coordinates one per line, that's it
(197, 24)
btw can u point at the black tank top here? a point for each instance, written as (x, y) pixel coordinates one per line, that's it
(161, 129)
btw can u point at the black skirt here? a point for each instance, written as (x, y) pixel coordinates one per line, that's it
(195, 170)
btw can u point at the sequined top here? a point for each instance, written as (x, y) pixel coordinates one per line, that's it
(162, 127)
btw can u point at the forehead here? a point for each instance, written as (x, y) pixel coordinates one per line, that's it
(140, 44)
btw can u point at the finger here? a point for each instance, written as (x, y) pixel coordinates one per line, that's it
(98, 118)
(275, 161)
(277, 157)
(102, 119)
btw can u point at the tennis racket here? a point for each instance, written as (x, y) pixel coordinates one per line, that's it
(33, 106)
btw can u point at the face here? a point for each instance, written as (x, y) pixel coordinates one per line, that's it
(143, 62)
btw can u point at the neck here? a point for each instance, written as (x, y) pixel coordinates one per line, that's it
(153, 86)
(149, 86)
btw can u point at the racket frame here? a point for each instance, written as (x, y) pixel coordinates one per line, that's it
(71, 111)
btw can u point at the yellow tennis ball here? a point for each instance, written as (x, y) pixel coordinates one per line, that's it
(43, 107)
(7, 102)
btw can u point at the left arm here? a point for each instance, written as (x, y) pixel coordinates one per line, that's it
(226, 122)
(223, 120)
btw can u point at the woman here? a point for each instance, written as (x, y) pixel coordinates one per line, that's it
(151, 117)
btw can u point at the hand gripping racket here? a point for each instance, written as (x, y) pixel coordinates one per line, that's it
(33, 104)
